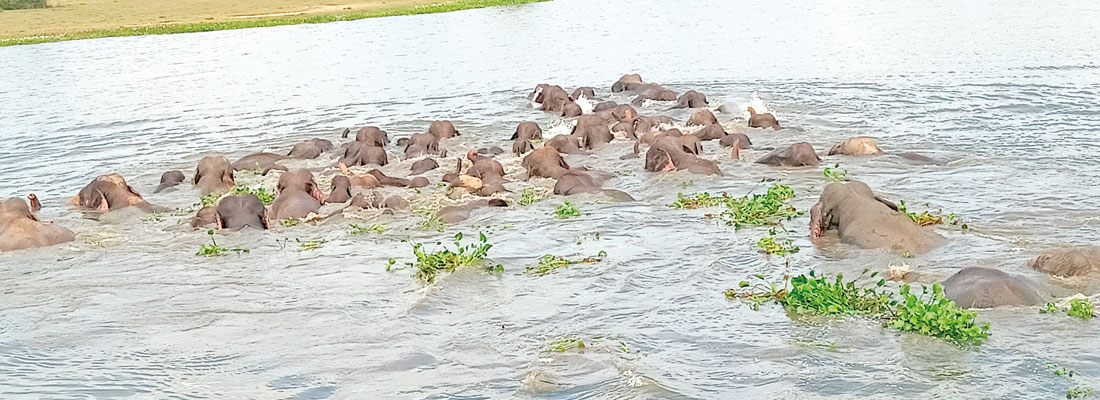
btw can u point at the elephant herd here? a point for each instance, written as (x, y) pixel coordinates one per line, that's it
(850, 209)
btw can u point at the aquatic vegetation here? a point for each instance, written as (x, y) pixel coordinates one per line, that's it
(698, 200)
(444, 6)
(760, 209)
(265, 197)
(156, 216)
(431, 221)
(810, 294)
(1078, 393)
(429, 264)
(769, 246)
(548, 263)
(687, 183)
(291, 222)
(833, 174)
(1065, 372)
(210, 199)
(1080, 308)
(938, 316)
(214, 250)
(926, 218)
(309, 245)
(564, 345)
(566, 210)
(363, 230)
(531, 196)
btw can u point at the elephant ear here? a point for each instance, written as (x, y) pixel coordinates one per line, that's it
(227, 177)
(198, 176)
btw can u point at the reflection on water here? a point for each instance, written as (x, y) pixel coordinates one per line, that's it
(1010, 97)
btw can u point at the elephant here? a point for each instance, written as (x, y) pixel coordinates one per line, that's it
(323, 144)
(396, 203)
(459, 213)
(652, 136)
(584, 91)
(545, 162)
(651, 91)
(493, 151)
(702, 117)
(109, 193)
(556, 102)
(796, 155)
(544, 91)
(527, 130)
(213, 175)
(691, 99)
(570, 110)
(595, 136)
(242, 210)
(765, 120)
(620, 85)
(1069, 261)
(305, 150)
(857, 146)
(521, 147)
(604, 106)
(205, 216)
(667, 154)
(977, 287)
(388, 180)
(867, 220)
(420, 144)
(483, 166)
(367, 200)
(691, 144)
(623, 113)
(424, 165)
(736, 140)
(341, 190)
(169, 180)
(262, 161)
(298, 196)
(568, 144)
(20, 229)
(604, 118)
(443, 130)
(630, 128)
(711, 132)
(364, 153)
(418, 182)
(373, 135)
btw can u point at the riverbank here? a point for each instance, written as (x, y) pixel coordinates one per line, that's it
(88, 19)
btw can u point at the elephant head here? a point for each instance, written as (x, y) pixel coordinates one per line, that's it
(702, 117)
(20, 229)
(364, 153)
(621, 84)
(423, 165)
(857, 146)
(1069, 261)
(341, 190)
(765, 120)
(584, 91)
(594, 136)
(108, 193)
(420, 144)
(168, 180)
(213, 175)
(545, 162)
(667, 154)
(866, 220)
(443, 130)
(298, 195)
(239, 211)
(373, 135)
(691, 99)
(977, 287)
(796, 155)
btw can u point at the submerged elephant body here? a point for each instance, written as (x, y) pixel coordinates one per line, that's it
(20, 228)
(109, 193)
(863, 219)
(977, 287)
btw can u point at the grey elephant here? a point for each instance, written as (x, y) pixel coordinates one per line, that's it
(865, 219)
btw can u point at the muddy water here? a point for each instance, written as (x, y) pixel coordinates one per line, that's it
(1009, 98)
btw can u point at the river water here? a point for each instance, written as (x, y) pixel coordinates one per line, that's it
(1007, 92)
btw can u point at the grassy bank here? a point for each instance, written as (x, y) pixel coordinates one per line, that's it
(173, 17)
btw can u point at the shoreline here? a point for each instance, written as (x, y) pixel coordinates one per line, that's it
(234, 22)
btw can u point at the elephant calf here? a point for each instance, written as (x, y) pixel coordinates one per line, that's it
(239, 211)
(765, 120)
(169, 180)
(977, 287)
(668, 154)
(1069, 262)
(866, 220)
(20, 229)
(796, 155)
(857, 146)
(298, 195)
(109, 193)
(213, 175)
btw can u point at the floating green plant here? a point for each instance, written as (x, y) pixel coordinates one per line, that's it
(566, 210)
(531, 196)
(770, 208)
(363, 230)
(833, 174)
(430, 263)
(214, 250)
(261, 193)
(548, 263)
(938, 316)
(309, 245)
(698, 200)
(769, 246)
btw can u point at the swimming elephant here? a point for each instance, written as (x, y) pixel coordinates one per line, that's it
(691, 99)
(620, 85)
(595, 136)
(527, 130)
(570, 110)
(213, 175)
(602, 118)
(397, 203)
(418, 182)
(341, 190)
(546, 162)
(544, 91)
(421, 144)
(977, 287)
(622, 113)
(443, 130)
(240, 211)
(373, 135)
(691, 144)
(169, 180)
(711, 132)
(388, 180)
(483, 167)
(1069, 261)
(298, 195)
(702, 117)
(736, 140)
(305, 151)
(857, 146)
(567, 144)
(667, 154)
(264, 162)
(650, 91)
(109, 193)
(796, 155)
(604, 106)
(364, 153)
(205, 216)
(491, 151)
(459, 213)
(584, 91)
(20, 228)
(765, 120)
(867, 220)
(423, 165)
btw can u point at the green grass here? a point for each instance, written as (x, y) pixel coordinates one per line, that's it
(429, 264)
(1078, 393)
(549, 263)
(833, 174)
(769, 246)
(698, 200)
(259, 23)
(431, 221)
(531, 196)
(214, 250)
(938, 316)
(770, 208)
(265, 197)
(566, 210)
(363, 230)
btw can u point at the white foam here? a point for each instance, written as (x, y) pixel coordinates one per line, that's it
(753, 101)
(586, 104)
